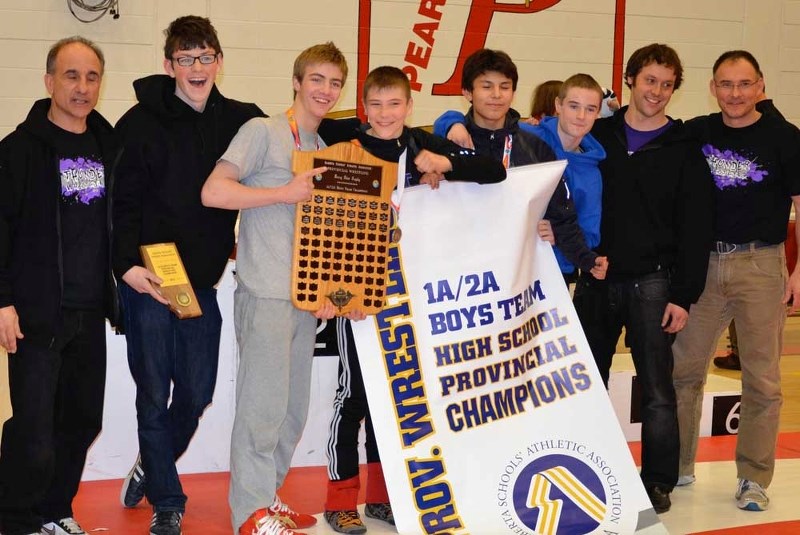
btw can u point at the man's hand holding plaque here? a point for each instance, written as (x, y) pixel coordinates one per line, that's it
(167, 277)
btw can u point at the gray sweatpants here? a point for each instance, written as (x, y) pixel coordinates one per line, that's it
(276, 345)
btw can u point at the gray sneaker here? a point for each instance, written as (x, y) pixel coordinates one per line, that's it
(751, 496)
(133, 486)
(685, 480)
(345, 521)
(380, 511)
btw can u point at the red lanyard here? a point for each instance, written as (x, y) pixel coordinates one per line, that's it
(507, 151)
(295, 130)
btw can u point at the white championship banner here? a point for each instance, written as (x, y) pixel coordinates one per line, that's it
(489, 412)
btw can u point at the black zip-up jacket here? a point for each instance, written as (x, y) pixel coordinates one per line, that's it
(527, 149)
(169, 149)
(468, 165)
(657, 208)
(31, 275)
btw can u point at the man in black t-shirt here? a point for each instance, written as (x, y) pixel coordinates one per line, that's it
(731, 360)
(753, 158)
(56, 290)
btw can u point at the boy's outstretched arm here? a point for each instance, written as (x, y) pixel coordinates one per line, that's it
(450, 125)
(468, 165)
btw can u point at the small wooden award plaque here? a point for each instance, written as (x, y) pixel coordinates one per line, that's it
(163, 260)
(342, 234)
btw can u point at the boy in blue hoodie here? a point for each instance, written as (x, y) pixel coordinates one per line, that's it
(577, 105)
(489, 82)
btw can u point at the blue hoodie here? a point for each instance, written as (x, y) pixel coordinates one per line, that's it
(583, 179)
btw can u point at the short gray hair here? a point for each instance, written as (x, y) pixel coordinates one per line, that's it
(61, 43)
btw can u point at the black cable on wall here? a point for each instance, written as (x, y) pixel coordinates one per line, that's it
(101, 7)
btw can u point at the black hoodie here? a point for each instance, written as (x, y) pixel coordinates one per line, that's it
(31, 277)
(657, 207)
(169, 149)
(468, 166)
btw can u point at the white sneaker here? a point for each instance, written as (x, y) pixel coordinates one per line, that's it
(65, 526)
(270, 525)
(751, 496)
(685, 480)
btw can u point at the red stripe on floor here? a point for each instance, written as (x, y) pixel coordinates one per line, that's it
(776, 528)
(723, 448)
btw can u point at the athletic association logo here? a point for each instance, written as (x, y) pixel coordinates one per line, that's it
(558, 487)
(558, 494)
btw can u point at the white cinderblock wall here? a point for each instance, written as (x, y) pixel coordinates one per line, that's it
(261, 39)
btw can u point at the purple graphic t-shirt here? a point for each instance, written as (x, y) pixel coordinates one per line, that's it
(732, 169)
(82, 179)
(84, 227)
(754, 169)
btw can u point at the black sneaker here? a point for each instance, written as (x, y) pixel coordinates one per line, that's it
(660, 499)
(728, 362)
(166, 523)
(133, 486)
(345, 522)
(380, 511)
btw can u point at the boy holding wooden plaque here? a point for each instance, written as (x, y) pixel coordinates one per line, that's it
(276, 340)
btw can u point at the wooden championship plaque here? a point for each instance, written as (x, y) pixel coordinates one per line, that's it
(341, 239)
(163, 260)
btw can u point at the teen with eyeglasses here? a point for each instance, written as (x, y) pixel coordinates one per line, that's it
(171, 141)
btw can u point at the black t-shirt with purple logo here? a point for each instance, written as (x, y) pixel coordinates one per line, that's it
(756, 171)
(84, 238)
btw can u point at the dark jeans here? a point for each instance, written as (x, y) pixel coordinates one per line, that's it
(165, 351)
(57, 399)
(638, 305)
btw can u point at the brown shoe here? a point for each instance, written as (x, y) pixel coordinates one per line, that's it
(728, 362)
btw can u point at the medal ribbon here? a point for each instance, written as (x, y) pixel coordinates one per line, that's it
(295, 130)
(507, 151)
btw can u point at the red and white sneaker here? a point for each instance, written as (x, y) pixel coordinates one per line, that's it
(264, 525)
(277, 513)
(289, 518)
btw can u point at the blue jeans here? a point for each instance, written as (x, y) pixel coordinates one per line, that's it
(638, 305)
(165, 351)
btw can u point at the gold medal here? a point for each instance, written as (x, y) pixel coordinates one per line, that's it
(396, 234)
(183, 299)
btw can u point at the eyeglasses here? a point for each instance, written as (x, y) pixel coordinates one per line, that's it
(741, 86)
(188, 61)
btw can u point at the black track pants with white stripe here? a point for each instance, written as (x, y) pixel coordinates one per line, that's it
(349, 408)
